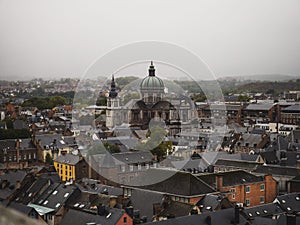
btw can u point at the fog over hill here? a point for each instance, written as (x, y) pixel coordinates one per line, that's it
(261, 77)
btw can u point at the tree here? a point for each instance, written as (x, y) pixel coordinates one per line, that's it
(111, 148)
(155, 142)
(57, 100)
(243, 98)
(101, 101)
(103, 148)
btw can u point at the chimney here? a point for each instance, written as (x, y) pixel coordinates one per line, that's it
(129, 211)
(208, 220)
(144, 219)
(112, 202)
(290, 219)
(101, 210)
(236, 214)
(219, 182)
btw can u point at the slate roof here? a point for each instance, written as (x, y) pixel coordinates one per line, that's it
(76, 217)
(61, 141)
(290, 202)
(26, 143)
(55, 196)
(277, 170)
(10, 144)
(36, 188)
(294, 135)
(265, 210)
(251, 139)
(239, 164)
(262, 107)
(139, 197)
(21, 208)
(210, 202)
(88, 201)
(12, 177)
(68, 159)
(3, 125)
(176, 209)
(222, 217)
(20, 124)
(230, 178)
(7, 144)
(199, 164)
(134, 157)
(269, 157)
(173, 182)
(93, 186)
(293, 108)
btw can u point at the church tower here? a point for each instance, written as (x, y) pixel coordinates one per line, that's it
(113, 106)
(152, 87)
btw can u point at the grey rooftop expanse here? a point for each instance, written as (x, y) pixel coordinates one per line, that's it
(75, 217)
(259, 106)
(69, 159)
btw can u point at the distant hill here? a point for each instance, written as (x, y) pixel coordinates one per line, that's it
(261, 77)
(268, 87)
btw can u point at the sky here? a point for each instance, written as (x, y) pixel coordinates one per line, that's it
(62, 38)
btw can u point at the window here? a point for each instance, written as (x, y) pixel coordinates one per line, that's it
(247, 202)
(29, 156)
(125, 219)
(131, 167)
(34, 155)
(4, 158)
(70, 174)
(139, 167)
(233, 196)
(232, 190)
(123, 168)
(262, 199)
(66, 195)
(247, 189)
(127, 192)
(262, 187)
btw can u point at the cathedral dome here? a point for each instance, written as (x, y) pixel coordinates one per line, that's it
(152, 82)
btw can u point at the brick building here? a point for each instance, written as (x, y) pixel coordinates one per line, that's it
(242, 187)
(17, 153)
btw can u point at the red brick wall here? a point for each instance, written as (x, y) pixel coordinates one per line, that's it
(254, 194)
(271, 188)
(128, 222)
(195, 200)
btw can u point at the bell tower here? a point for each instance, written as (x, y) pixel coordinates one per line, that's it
(113, 106)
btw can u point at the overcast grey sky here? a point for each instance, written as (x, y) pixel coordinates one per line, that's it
(61, 38)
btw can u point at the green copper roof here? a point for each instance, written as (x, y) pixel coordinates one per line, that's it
(151, 82)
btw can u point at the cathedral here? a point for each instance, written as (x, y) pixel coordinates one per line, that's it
(152, 107)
